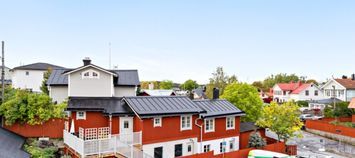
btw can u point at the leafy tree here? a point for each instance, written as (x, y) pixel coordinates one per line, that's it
(145, 84)
(219, 80)
(44, 87)
(312, 81)
(302, 103)
(256, 141)
(282, 119)
(259, 85)
(189, 85)
(342, 110)
(246, 98)
(270, 81)
(31, 108)
(166, 84)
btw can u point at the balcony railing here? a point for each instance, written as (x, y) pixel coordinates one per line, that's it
(123, 144)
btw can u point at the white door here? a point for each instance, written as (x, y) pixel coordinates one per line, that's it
(126, 129)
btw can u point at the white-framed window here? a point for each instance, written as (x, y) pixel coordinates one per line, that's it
(157, 122)
(231, 145)
(186, 122)
(316, 93)
(27, 73)
(206, 148)
(209, 125)
(80, 115)
(230, 123)
(307, 92)
(90, 74)
(222, 147)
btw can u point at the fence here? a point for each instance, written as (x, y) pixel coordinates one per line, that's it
(276, 147)
(353, 119)
(52, 128)
(325, 126)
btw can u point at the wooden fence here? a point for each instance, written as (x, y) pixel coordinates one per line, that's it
(52, 129)
(325, 126)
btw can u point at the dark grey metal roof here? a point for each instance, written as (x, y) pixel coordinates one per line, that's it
(326, 101)
(125, 78)
(200, 93)
(108, 105)
(217, 107)
(11, 145)
(247, 126)
(38, 66)
(149, 106)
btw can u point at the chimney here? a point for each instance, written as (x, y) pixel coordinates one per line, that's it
(353, 77)
(151, 86)
(215, 93)
(204, 89)
(86, 61)
(344, 77)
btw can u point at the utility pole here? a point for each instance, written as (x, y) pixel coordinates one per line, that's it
(2, 77)
(109, 55)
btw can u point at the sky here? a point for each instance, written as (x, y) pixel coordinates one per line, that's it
(185, 39)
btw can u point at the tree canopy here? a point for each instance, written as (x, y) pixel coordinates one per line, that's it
(189, 85)
(246, 98)
(44, 87)
(219, 80)
(31, 108)
(282, 119)
(145, 84)
(166, 84)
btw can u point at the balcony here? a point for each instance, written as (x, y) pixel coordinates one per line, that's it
(93, 143)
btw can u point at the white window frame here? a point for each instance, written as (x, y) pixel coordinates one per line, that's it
(78, 117)
(205, 147)
(91, 74)
(184, 127)
(211, 128)
(232, 119)
(155, 124)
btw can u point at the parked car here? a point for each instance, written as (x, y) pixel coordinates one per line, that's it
(266, 154)
(304, 117)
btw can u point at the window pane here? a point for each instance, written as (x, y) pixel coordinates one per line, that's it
(178, 150)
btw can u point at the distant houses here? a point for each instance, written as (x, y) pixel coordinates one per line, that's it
(297, 91)
(343, 88)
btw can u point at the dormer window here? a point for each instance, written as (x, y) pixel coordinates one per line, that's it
(90, 74)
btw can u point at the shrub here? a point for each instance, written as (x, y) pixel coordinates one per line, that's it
(37, 152)
(256, 141)
(302, 103)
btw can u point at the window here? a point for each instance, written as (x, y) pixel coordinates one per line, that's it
(307, 92)
(222, 147)
(158, 152)
(80, 115)
(284, 92)
(230, 122)
(90, 74)
(126, 124)
(315, 93)
(94, 74)
(178, 150)
(206, 148)
(157, 122)
(189, 148)
(27, 73)
(86, 74)
(209, 125)
(186, 122)
(231, 145)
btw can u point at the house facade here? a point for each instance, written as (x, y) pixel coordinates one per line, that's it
(30, 76)
(296, 91)
(113, 122)
(343, 89)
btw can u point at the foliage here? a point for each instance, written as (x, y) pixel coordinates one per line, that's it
(246, 98)
(219, 80)
(312, 81)
(346, 124)
(166, 84)
(31, 108)
(259, 85)
(328, 112)
(36, 152)
(341, 110)
(189, 85)
(302, 103)
(270, 81)
(256, 141)
(145, 84)
(44, 87)
(282, 119)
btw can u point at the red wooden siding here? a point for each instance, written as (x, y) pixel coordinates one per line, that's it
(221, 131)
(52, 129)
(244, 138)
(353, 119)
(325, 126)
(96, 120)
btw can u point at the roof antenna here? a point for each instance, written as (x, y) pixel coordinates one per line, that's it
(109, 55)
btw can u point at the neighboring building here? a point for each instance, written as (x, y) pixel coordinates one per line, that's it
(343, 89)
(31, 76)
(297, 91)
(7, 76)
(90, 80)
(199, 93)
(157, 92)
(12, 145)
(103, 124)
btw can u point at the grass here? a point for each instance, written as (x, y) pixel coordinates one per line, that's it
(346, 124)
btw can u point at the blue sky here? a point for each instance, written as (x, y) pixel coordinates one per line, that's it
(184, 39)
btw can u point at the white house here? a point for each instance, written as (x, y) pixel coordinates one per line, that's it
(30, 76)
(284, 92)
(343, 89)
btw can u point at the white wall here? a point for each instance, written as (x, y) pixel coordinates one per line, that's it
(215, 144)
(31, 81)
(58, 93)
(311, 89)
(282, 98)
(121, 91)
(169, 147)
(329, 87)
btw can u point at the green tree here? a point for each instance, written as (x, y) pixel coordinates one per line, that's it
(259, 85)
(312, 81)
(166, 84)
(31, 108)
(270, 81)
(189, 85)
(145, 84)
(282, 119)
(219, 80)
(256, 141)
(44, 87)
(246, 98)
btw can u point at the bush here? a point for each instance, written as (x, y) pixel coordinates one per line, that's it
(302, 103)
(256, 141)
(341, 110)
(38, 152)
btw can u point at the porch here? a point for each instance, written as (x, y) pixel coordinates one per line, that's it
(97, 142)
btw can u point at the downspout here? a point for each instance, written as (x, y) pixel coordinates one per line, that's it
(200, 126)
(110, 118)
